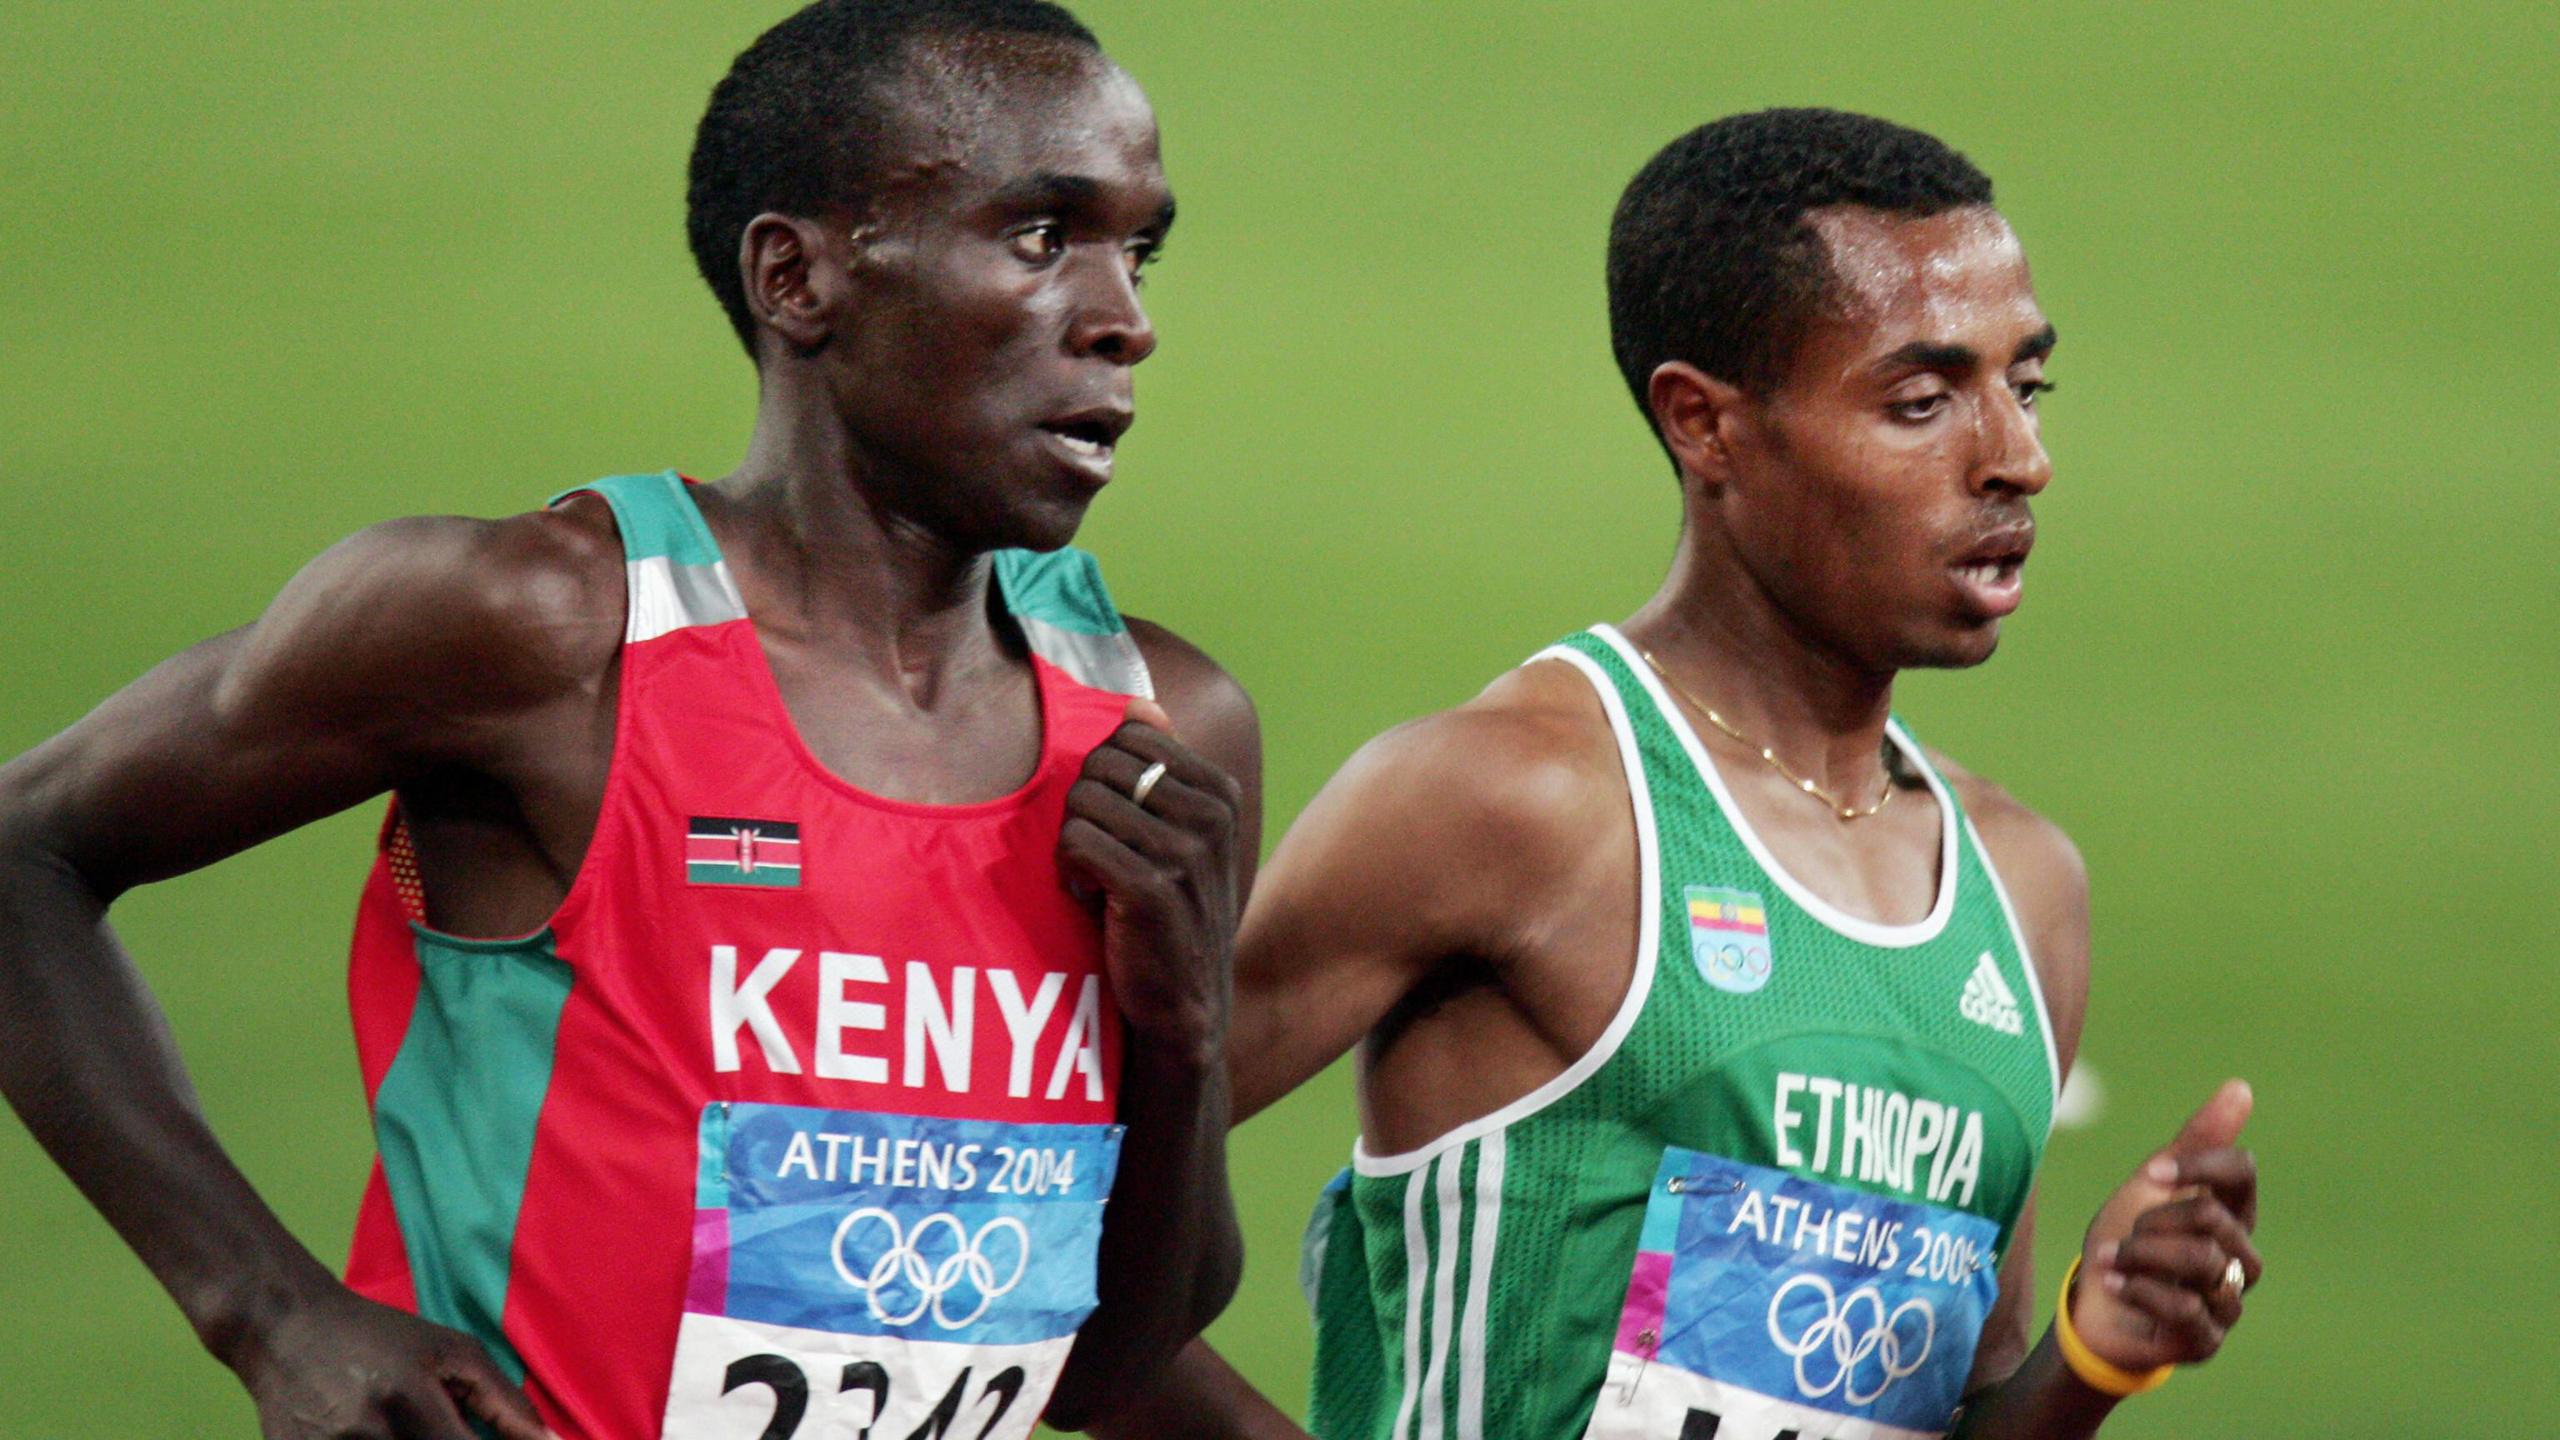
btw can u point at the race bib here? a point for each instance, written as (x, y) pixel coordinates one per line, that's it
(860, 1276)
(1765, 1306)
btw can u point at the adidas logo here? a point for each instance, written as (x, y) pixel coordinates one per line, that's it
(1988, 1000)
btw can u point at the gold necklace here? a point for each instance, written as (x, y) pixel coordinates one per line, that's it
(1845, 812)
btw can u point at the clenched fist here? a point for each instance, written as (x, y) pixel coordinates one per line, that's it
(2167, 1261)
(337, 1366)
(1151, 832)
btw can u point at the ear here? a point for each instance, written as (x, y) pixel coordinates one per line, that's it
(791, 290)
(1695, 414)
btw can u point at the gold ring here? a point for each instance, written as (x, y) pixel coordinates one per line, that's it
(1146, 785)
(2234, 1280)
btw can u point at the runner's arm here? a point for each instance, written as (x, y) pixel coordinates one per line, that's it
(1173, 874)
(1429, 843)
(2017, 1391)
(343, 688)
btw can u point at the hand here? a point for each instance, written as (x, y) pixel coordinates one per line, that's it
(2152, 1269)
(340, 1366)
(1165, 873)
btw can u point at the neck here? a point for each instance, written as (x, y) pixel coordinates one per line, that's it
(825, 554)
(1726, 641)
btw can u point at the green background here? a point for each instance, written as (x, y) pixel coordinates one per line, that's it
(274, 272)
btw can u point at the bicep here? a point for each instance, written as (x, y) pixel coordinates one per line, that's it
(1338, 930)
(190, 763)
(1442, 840)
(2054, 913)
(399, 650)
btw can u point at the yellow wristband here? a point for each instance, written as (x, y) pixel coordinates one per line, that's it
(2094, 1371)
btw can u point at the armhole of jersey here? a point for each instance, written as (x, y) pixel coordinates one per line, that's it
(2027, 964)
(400, 860)
(1066, 615)
(1648, 946)
(668, 523)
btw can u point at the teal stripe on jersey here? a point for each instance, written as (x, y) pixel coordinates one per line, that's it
(677, 579)
(711, 1170)
(455, 1120)
(1065, 611)
(1058, 587)
(674, 576)
(657, 519)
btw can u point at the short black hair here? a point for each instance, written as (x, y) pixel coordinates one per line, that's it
(1711, 260)
(795, 125)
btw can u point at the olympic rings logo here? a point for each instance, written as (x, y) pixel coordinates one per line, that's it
(1738, 968)
(1745, 964)
(1837, 1333)
(905, 1265)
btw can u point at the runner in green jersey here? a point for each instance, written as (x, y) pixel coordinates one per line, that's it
(1710, 1026)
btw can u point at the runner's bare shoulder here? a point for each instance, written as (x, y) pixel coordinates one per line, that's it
(1507, 797)
(2032, 852)
(418, 625)
(1210, 709)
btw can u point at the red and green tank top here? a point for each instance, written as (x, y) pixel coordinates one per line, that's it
(797, 1119)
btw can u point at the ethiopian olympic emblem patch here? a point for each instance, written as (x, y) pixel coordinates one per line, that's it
(1729, 938)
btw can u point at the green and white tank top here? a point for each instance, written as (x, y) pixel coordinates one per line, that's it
(1826, 1124)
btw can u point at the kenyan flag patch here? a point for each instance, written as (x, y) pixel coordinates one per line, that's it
(723, 851)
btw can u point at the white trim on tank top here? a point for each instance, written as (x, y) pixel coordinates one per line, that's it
(1648, 944)
(2027, 963)
(1864, 931)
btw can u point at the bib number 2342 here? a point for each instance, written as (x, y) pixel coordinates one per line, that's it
(863, 1276)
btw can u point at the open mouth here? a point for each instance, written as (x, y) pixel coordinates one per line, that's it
(1989, 572)
(1087, 439)
(2000, 570)
(1093, 439)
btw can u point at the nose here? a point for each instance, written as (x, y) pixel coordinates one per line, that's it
(2012, 448)
(1111, 320)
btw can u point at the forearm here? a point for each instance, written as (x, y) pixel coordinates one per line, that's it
(1171, 1252)
(88, 1062)
(2041, 1400)
(1199, 1396)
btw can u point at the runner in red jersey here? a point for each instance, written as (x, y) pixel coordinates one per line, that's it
(904, 997)
(794, 921)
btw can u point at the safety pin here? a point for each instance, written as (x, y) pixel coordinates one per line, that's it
(1650, 1339)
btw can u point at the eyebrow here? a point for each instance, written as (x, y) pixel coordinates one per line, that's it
(1935, 355)
(1050, 190)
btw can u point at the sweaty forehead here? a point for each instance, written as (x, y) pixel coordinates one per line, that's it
(1943, 278)
(996, 106)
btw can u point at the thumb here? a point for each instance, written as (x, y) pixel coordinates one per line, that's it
(2215, 1124)
(1147, 712)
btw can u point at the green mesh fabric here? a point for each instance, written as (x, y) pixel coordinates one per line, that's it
(1352, 1362)
(1496, 1260)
